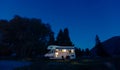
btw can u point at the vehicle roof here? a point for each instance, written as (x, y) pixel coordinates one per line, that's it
(60, 47)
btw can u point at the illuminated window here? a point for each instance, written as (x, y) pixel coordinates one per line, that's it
(64, 50)
(56, 54)
(72, 51)
(57, 50)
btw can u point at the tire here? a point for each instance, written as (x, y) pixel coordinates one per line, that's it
(63, 57)
(68, 57)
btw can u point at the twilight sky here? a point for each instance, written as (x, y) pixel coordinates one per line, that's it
(84, 18)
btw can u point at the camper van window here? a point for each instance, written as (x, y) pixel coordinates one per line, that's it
(56, 54)
(64, 50)
(52, 51)
(72, 55)
(72, 51)
(56, 50)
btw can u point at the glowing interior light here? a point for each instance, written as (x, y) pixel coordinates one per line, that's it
(72, 51)
(64, 50)
(56, 49)
(56, 54)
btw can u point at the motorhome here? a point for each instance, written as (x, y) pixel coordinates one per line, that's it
(60, 52)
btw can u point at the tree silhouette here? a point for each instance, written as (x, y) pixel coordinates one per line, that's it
(52, 39)
(87, 52)
(63, 38)
(100, 51)
(59, 38)
(66, 38)
(78, 52)
(83, 52)
(26, 37)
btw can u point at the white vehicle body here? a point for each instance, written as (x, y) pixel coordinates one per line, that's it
(61, 52)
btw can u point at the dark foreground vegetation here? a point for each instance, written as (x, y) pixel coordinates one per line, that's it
(29, 37)
(78, 64)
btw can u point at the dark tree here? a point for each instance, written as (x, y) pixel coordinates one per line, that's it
(78, 52)
(27, 37)
(63, 38)
(51, 39)
(100, 51)
(83, 52)
(66, 38)
(59, 39)
(87, 52)
(4, 49)
(97, 40)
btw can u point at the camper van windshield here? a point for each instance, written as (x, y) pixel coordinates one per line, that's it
(51, 51)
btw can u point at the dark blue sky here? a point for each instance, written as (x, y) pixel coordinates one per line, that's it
(84, 18)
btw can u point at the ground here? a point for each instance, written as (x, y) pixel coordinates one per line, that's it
(79, 64)
(12, 64)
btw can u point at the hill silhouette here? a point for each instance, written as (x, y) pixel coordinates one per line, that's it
(112, 46)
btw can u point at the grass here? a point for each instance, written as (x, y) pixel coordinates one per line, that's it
(78, 64)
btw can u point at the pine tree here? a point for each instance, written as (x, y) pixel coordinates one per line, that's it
(100, 51)
(97, 40)
(83, 52)
(51, 39)
(87, 52)
(78, 52)
(63, 38)
(59, 39)
(66, 38)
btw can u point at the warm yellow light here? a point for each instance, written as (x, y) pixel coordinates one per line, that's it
(72, 51)
(56, 54)
(64, 50)
(56, 49)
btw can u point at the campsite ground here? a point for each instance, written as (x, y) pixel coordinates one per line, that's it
(12, 64)
(78, 64)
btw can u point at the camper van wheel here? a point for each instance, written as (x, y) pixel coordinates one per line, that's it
(63, 57)
(67, 57)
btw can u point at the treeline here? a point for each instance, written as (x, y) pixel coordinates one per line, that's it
(24, 37)
(62, 38)
(97, 51)
(82, 52)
